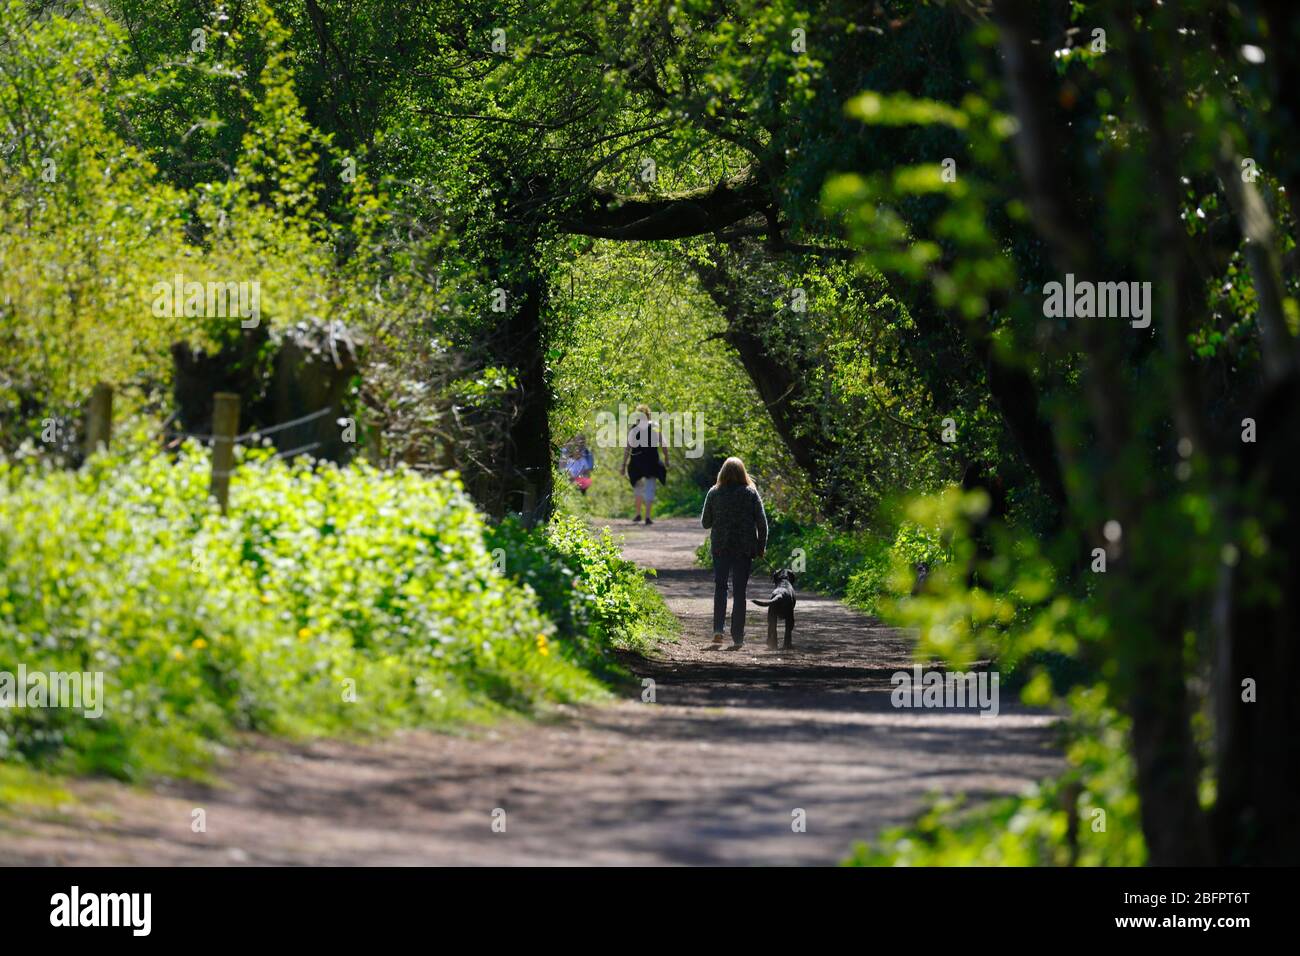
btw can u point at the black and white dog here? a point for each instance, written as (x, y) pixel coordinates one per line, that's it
(780, 606)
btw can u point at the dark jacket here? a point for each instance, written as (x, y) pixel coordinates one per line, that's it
(644, 461)
(737, 520)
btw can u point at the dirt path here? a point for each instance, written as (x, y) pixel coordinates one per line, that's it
(709, 774)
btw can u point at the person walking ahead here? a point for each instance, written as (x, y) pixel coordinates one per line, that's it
(641, 461)
(733, 513)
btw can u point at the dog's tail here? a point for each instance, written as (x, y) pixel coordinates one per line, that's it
(763, 603)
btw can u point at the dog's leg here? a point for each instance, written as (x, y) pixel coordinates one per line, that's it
(771, 628)
(789, 629)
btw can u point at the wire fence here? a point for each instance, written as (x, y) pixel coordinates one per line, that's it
(256, 434)
(223, 439)
(533, 509)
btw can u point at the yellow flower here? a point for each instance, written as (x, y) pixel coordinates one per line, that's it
(304, 633)
(198, 643)
(542, 647)
(177, 655)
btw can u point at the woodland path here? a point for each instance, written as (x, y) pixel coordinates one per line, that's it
(708, 774)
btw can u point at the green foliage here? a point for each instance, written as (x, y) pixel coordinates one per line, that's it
(204, 624)
(98, 216)
(597, 598)
(683, 497)
(995, 598)
(633, 326)
(85, 227)
(28, 789)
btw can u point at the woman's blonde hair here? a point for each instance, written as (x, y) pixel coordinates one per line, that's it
(733, 474)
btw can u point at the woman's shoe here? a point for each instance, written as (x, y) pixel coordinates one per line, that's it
(648, 521)
(636, 520)
(735, 647)
(719, 638)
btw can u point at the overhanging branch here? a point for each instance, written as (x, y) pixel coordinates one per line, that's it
(609, 215)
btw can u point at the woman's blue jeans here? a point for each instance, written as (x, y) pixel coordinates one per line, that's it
(734, 568)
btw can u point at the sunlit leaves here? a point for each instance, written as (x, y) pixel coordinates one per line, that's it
(900, 109)
(204, 623)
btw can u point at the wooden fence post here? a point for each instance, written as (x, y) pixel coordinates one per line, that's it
(99, 419)
(225, 426)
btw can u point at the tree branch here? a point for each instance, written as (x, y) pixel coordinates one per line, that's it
(609, 215)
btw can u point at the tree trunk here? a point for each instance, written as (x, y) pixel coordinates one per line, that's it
(1168, 765)
(781, 383)
(530, 474)
(1165, 754)
(1257, 813)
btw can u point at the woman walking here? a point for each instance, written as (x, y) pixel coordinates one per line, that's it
(733, 511)
(641, 462)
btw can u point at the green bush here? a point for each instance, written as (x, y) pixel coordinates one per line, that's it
(584, 584)
(328, 599)
(679, 497)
